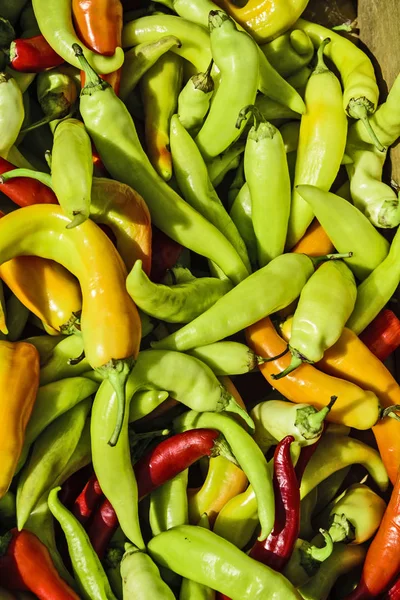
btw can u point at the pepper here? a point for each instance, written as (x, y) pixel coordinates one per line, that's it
(112, 354)
(335, 452)
(241, 215)
(102, 527)
(322, 142)
(354, 406)
(385, 278)
(140, 58)
(394, 592)
(192, 178)
(328, 489)
(191, 590)
(180, 303)
(169, 504)
(360, 95)
(141, 577)
(382, 336)
(227, 358)
(11, 10)
(85, 504)
(72, 170)
(264, 292)
(12, 112)
(17, 318)
(33, 55)
(315, 241)
(236, 56)
(57, 443)
(307, 558)
(194, 100)
(289, 52)
(57, 367)
(127, 162)
(88, 570)
(143, 403)
(24, 192)
(18, 396)
(267, 175)
(225, 162)
(326, 302)
(307, 509)
(340, 219)
(25, 564)
(55, 22)
(112, 563)
(222, 567)
(248, 455)
(275, 551)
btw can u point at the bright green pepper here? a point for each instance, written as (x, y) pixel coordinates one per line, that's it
(227, 358)
(322, 141)
(12, 113)
(112, 566)
(81, 456)
(375, 291)
(169, 504)
(160, 87)
(144, 402)
(141, 577)
(191, 590)
(249, 456)
(192, 177)
(335, 452)
(326, 302)
(88, 571)
(194, 100)
(241, 215)
(264, 292)
(140, 59)
(267, 175)
(179, 303)
(50, 455)
(72, 170)
(107, 119)
(341, 219)
(236, 56)
(289, 52)
(203, 556)
(237, 184)
(225, 162)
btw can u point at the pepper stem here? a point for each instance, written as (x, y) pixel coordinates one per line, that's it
(294, 364)
(46, 120)
(320, 554)
(357, 109)
(44, 178)
(390, 411)
(321, 66)
(230, 405)
(255, 113)
(316, 419)
(277, 355)
(222, 448)
(77, 360)
(317, 260)
(93, 79)
(79, 218)
(341, 530)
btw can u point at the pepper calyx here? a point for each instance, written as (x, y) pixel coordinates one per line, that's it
(360, 108)
(203, 81)
(341, 530)
(312, 557)
(94, 83)
(321, 66)
(296, 361)
(113, 556)
(222, 448)
(227, 403)
(216, 18)
(310, 421)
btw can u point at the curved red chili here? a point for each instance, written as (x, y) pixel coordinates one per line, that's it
(382, 336)
(32, 55)
(102, 527)
(25, 191)
(88, 500)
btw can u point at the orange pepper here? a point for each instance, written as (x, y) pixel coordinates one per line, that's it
(354, 407)
(314, 242)
(19, 382)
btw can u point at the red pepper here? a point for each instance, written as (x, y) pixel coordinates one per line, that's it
(32, 55)
(73, 486)
(25, 565)
(102, 527)
(165, 253)
(382, 563)
(23, 190)
(394, 592)
(88, 500)
(276, 550)
(382, 336)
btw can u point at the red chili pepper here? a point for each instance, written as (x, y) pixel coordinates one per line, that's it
(165, 253)
(382, 563)
(23, 190)
(382, 336)
(25, 565)
(305, 455)
(88, 500)
(276, 550)
(73, 486)
(102, 527)
(32, 55)
(394, 592)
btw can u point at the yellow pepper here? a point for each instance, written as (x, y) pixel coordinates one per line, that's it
(19, 382)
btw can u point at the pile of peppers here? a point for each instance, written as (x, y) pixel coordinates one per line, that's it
(198, 256)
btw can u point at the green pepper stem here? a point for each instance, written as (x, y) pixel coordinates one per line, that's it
(44, 178)
(232, 406)
(316, 419)
(255, 113)
(45, 120)
(117, 372)
(390, 412)
(341, 530)
(321, 554)
(317, 260)
(294, 364)
(79, 218)
(357, 109)
(93, 79)
(321, 66)
(216, 18)
(77, 360)
(222, 448)
(347, 27)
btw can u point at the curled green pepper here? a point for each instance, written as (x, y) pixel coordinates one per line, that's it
(194, 100)
(289, 52)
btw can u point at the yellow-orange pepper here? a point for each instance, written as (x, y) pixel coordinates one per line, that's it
(265, 19)
(19, 382)
(314, 242)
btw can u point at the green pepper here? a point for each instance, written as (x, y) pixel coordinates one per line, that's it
(307, 558)
(272, 110)
(159, 87)
(236, 55)
(241, 215)
(45, 345)
(57, 366)
(194, 100)
(375, 291)
(326, 302)
(249, 456)
(192, 590)
(81, 456)
(140, 59)
(179, 303)
(289, 52)
(307, 507)
(225, 162)
(267, 175)
(335, 452)
(112, 566)
(169, 504)
(88, 571)
(192, 177)
(50, 455)
(203, 556)
(144, 402)
(329, 487)
(17, 318)
(72, 170)
(227, 358)
(141, 577)
(341, 219)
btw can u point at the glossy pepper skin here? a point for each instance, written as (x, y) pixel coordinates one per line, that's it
(275, 551)
(382, 336)
(289, 52)
(169, 504)
(25, 192)
(12, 112)
(194, 100)
(26, 565)
(33, 55)
(214, 562)
(141, 577)
(17, 397)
